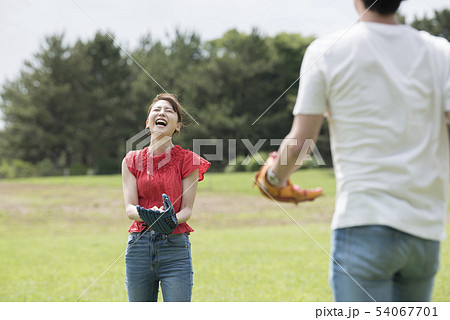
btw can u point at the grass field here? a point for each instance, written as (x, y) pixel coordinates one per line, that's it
(58, 235)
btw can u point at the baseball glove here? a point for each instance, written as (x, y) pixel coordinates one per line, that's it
(290, 193)
(164, 222)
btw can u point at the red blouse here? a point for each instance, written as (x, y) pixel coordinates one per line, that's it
(156, 175)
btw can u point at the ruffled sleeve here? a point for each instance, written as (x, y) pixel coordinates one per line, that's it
(193, 161)
(132, 159)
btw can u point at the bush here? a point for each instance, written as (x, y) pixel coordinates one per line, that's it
(253, 165)
(23, 169)
(16, 169)
(44, 168)
(6, 170)
(109, 166)
(78, 169)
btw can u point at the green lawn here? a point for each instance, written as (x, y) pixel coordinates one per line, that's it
(58, 235)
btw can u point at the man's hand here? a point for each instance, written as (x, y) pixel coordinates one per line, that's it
(290, 193)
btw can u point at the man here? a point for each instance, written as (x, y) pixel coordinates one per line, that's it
(385, 89)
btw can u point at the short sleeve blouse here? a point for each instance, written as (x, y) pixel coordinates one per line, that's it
(160, 174)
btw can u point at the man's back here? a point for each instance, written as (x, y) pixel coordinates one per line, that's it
(384, 88)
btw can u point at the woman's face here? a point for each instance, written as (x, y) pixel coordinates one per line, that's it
(163, 119)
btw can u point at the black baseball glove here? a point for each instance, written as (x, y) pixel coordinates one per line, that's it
(163, 222)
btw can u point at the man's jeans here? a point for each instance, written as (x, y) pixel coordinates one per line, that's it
(378, 263)
(151, 258)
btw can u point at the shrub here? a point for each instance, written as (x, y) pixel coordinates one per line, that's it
(23, 169)
(6, 170)
(45, 168)
(109, 166)
(253, 165)
(16, 169)
(78, 169)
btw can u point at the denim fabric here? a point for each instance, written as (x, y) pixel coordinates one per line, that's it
(153, 258)
(385, 264)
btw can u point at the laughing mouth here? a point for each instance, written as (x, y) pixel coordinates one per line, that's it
(161, 122)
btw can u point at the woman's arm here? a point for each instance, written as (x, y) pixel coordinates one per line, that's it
(188, 197)
(130, 193)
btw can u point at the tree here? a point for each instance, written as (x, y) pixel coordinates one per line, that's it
(439, 25)
(224, 84)
(39, 109)
(105, 92)
(175, 68)
(68, 104)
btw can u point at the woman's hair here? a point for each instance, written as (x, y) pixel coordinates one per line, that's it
(383, 7)
(172, 99)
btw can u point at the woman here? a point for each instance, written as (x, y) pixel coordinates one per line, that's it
(161, 168)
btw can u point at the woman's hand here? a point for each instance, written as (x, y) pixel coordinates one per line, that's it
(163, 222)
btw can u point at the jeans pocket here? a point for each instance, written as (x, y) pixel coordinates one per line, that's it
(180, 240)
(131, 238)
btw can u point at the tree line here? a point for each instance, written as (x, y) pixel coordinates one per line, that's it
(74, 107)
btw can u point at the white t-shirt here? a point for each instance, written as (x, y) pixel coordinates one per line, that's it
(384, 89)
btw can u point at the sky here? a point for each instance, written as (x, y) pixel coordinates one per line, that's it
(24, 24)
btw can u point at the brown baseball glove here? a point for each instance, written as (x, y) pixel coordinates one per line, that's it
(290, 193)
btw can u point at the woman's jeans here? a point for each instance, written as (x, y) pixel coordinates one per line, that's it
(378, 263)
(152, 258)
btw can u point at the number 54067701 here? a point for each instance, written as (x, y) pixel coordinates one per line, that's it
(407, 311)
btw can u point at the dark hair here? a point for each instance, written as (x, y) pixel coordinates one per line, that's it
(172, 99)
(383, 7)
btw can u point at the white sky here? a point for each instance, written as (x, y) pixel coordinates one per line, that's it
(25, 23)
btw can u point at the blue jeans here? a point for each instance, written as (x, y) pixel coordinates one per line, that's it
(382, 264)
(152, 258)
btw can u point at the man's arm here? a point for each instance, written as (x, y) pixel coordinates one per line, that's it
(304, 127)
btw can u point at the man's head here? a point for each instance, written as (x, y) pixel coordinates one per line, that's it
(382, 7)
